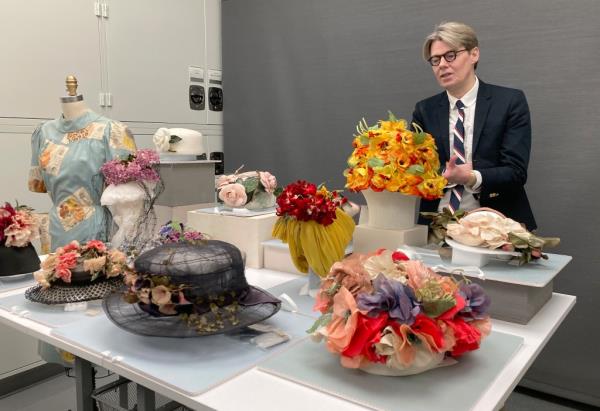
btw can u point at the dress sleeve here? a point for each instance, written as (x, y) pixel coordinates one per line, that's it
(36, 179)
(120, 141)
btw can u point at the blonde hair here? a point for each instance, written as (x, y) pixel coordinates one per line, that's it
(457, 35)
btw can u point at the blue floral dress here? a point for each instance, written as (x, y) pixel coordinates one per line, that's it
(66, 156)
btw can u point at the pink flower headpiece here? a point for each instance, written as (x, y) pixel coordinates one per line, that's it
(140, 166)
(18, 226)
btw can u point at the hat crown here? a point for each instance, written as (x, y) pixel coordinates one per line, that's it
(213, 266)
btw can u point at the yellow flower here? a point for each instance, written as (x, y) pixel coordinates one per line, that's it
(358, 179)
(378, 182)
(432, 188)
(383, 154)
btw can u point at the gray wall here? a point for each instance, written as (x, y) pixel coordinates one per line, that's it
(298, 75)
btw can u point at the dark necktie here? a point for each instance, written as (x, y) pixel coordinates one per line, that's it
(458, 150)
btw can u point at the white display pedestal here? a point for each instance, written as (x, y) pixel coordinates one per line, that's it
(367, 239)
(517, 292)
(179, 213)
(246, 233)
(276, 256)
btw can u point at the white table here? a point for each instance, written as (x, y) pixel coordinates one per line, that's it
(256, 390)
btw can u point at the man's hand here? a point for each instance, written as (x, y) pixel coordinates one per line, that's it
(459, 173)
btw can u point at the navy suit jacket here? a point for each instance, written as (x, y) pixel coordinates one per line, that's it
(501, 146)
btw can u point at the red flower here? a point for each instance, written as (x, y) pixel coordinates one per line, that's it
(304, 202)
(460, 304)
(399, 256)
(428, 327)
(368, 332)
(467, 337)
(7, 212)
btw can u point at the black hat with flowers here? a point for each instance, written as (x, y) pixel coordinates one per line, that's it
(189, 289)
(18, 227)
(78, 272)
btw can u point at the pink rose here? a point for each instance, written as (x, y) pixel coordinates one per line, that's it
(64, 274)
(161, 295)
(226, 179)
(233, 195)
(97, 245)
(268, 181)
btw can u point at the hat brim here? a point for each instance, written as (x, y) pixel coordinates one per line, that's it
(257, 306)
(74, 293)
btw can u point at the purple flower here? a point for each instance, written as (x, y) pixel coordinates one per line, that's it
(392, 297)
(137, 167)
(477, 301)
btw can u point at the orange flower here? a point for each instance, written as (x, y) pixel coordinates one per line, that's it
(378, 182)
(343, 323)
(358, 179)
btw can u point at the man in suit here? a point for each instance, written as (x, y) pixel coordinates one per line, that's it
(482, 131)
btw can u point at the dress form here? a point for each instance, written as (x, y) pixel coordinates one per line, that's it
(73, 105)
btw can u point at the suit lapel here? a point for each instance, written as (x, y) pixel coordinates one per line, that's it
(444, 126)
(481, 111)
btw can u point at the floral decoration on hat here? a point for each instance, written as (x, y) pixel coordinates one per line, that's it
(92, 259)
(389, 156)
(488, 228)
(18, 226)
(140, 166)
(384, 309)
(313, 223)
(252, 189)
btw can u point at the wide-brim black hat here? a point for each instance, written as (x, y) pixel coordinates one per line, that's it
(75, 292)
(209, 270)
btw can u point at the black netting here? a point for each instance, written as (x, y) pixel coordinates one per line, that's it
(213, 275)
(64, 294)
(146, 224)
(214, 266)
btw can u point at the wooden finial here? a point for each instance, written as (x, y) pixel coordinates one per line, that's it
(72, 85)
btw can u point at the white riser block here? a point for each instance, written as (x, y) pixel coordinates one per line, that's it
(246, 233)
(179, 213)
(367, 239)
(277, 257)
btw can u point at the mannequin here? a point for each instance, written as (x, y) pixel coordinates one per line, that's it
(126, 204)
(67, 154)
(73, 105)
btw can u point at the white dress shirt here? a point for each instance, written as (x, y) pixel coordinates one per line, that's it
(468, 202)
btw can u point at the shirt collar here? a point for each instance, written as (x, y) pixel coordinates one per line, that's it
(468, 99)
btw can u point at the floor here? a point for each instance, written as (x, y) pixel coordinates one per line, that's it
(58, 394)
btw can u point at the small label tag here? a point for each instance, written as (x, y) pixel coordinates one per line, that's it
(76, 306)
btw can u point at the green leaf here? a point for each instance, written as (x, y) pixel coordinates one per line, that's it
(364, 140)
(419, 138)
(278, 191)
(375, 162)
(392, 116)
(321, 322)
(434, 308)
(250, 184)
(416, 169)
(174, 139)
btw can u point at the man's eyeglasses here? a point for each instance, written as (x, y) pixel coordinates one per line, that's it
(449, 56)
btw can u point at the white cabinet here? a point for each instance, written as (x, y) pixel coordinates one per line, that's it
(40, 43)
(19, 352)
(151, 44)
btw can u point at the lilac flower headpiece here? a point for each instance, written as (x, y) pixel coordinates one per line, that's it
(136, 167)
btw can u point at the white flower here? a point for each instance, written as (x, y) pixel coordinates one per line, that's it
(384, 264)
(161, 139)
